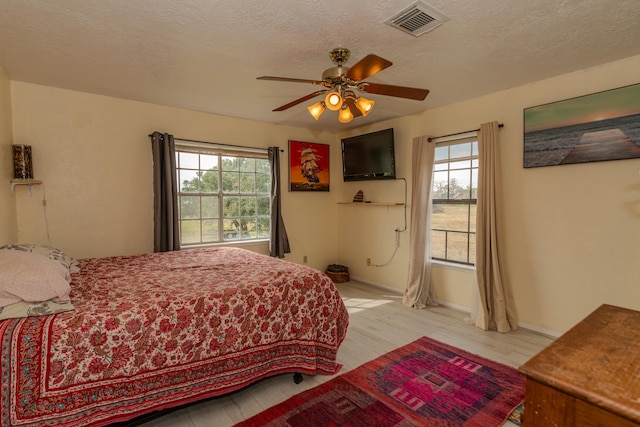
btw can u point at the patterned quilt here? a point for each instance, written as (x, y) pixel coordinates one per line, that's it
(155, 331)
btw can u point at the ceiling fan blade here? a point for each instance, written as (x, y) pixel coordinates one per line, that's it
(299, 100)
(398, 91)
(367, 67)
(287, 79)
(352, 106)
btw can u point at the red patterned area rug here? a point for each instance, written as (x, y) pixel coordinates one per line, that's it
(425, 383)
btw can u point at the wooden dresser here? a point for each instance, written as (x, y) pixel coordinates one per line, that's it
(590, 376)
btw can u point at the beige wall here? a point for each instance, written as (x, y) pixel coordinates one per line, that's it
(94, 156)
(8, 226)
(570, 232)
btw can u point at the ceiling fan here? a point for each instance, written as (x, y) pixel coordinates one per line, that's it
(342, 84)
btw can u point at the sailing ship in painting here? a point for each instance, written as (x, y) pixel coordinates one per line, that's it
(309, 166)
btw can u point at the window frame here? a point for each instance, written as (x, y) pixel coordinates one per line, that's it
(222, 152)
(471, 201)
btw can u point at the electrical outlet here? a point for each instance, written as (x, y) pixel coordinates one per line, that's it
(368, 261)
(304, 259)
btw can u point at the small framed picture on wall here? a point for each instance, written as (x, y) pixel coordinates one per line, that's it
(308, 166)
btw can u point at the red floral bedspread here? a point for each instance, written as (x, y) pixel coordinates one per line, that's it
(159, 330)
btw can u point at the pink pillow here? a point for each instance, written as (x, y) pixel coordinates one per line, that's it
(31, 277)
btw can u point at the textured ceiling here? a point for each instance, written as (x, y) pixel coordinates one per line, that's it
(205, 55)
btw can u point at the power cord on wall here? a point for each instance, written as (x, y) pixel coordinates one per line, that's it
(46, 217)
(397, 230)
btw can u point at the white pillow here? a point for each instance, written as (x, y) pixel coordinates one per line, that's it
(48, 251)
(31, 277)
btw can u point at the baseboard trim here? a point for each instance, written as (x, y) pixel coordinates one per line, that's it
(459, 307)
(377, 285)
(523, 325)
(542, 331)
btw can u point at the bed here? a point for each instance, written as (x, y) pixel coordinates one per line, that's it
(155, 331)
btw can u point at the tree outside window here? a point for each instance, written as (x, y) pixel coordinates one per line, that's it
(222, 197)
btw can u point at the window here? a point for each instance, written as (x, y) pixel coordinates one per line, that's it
(222, 195)
(454, 193)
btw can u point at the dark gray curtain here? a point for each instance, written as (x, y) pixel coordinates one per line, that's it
(166, 233)
(279, 242)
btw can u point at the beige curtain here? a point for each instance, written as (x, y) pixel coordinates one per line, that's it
(497, 308)
(418, 293)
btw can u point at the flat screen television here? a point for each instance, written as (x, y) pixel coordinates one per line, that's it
(368, 157)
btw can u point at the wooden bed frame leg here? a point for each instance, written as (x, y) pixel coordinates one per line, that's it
(297, 377)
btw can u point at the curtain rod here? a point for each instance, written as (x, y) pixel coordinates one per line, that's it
(500, 125)
(215, 143)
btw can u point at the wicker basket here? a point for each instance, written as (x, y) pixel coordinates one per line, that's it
(337, 273)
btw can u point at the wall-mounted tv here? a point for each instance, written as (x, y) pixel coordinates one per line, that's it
(369, 156)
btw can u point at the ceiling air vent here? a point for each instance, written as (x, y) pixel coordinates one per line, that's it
(417, 19)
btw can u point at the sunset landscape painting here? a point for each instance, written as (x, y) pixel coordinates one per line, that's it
(591, 128)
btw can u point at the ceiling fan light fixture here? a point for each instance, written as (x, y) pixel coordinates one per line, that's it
(364, 105)
(316, 109)
(339, 84)
(345, 115)
(333, 101)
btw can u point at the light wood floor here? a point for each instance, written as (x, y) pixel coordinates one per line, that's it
(378, 323)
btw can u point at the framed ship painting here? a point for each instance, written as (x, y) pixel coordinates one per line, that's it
(308, 166)
(591, 128)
